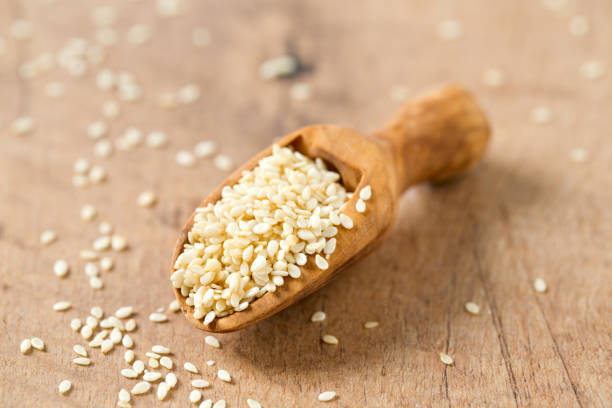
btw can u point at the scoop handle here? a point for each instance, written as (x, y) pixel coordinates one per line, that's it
(436, 137)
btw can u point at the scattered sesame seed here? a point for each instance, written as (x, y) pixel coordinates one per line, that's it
(540, 285)
(212, 341)
(327, 396)
(151, 376)
(75, 324)
(223, 162)
(252, 403)
(150, 354)
(141, 388)
(321, 262)
(446, 359)
(156, 140)
(110, 109)
(88, 212)
(91, 321)
(88, 255)
(279, 67)
(37, 343)
(185, 158)
(124, 395)
(579, 26)
(139, 34)
(191, 368)
(450, 29)
(153, 363)
(554, 5)
(25, 346)
(370, 325)
(346, 221)
(200, 383)
(129, 373)
(127, 341)
(218, 404)
(205, 149)
(116, 336)
(97, 174)
(158, 317)
(106, 264)
(210, 316)
(80, 181)
(96, 283)
(91, 269)
(138, 366)
(365, 193)
(80, 350)
(300, 91)
(107, 346)
(81, 166)
(103, 148)
(162, 391)
(48, 237)
(206, 404)
(399, 93)
(64, 386)
(224, 376)
(200, 36)
(541, 115)
(96, 130)
(171, 380)
(195, 396)
(118, 242)
(360, 206)
(578, 155)
(472, 308)
(188, 93)
(592, 69)
(82, 361)
(166, 362)
(101, 243)
(86, 332)
(493, 77)
(318, 316)
(160, 349)
(130, 325)
(174, 306)
(168, 8)
(60, 268)
(147, 199)
(62, 306)
(329, 339)
(124, 312)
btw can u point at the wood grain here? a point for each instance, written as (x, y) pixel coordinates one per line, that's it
(527, 212)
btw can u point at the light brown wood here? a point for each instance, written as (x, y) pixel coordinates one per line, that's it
(433, 138)
(527, 211)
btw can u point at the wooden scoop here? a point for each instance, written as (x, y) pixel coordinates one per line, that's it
(433, 138)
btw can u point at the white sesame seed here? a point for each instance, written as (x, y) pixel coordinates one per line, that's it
(210, 316)
(578, 155)
(147, 199)
(138, 34)
(88, 212)
(592, 69)
(88, 255)
(223, 162)
(329, 339)
(472, 308)
(191, 368)
(450, 29)
(212, 341)
(37, 343)
(103, 148)
(327, 396)
(138, 366)
(130, 325)
(151, 376)
(62, 306)
(300, 92)
(75, 324)
(80, 350)
(129, 356)
(101, 243)
(107, 346)
(195, 396)
(318, 316)
(86, 332)
(106, 264)
(370, 325)
(171, 380)
(210, 363)
(91, 321)
(91, 269)
(166, 362)
(96, 283)
(321, 262)
(360, 206)
(399, 93)
(446, 359)
(48, 237)
(123, 404)
(97, 174)
(110, 109)
(554, 5)
(346, 221)
(116, 336)
(104, 15)
(540, 285)
(253, 404)
(168, 8)
(188, 93)
(25, 346)
(541, 115)
(129, 373)
(200, 36)
(205, 149)
(20, 29)
(105, 228)
(365, 193)
(80, 181)
(185, 158)
(158, 317)
(200, 383)
(64, 386)
(160, 349)
(82, 361)
(152, 355)
(23, 125)
(174, 306)
(153, 363)
(124, 395)
(60, 268)
(156, 140)
(493, 77)
(96, 130)
(218, 404)
(162, 391)
(118, 242)
(141, 388)
(279, 67)
(124, 312)
(167, 100)
(579, 26)
(224, 376)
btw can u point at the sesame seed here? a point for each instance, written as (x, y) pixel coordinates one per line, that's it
(188, 94)
(156, 140)
(129, 373)
(327, 396)
(554, 5)
(252, 403)
(105, 228)
(300, 92)
(62, 306)
(168, 8)
(158, 349)
(365, 193)
(91, 269)
(107, 346)
(191, 368)
(195, 396)
(130, 325)
(127, 341)
(80, 181)
(25, 346)
(110, 109)
(540, 285)
(206, 404)
(541, 115)
(88, 212)
(106, 264)
(329, 339)
(210, 363)
(124, 395)
(321, 262)
(118, 242)
(224, 376)
(88, 255)
(162, 391)
(399, 93)
(472, 308)
(158, 317)
(129, 356)
(60, 268)
(64, 386)
(346, 221)
(493, 77)
(578, 155)
(223, 162)
(212, 341)
(82, 361)
(151, 376)
(579, 26)
(205, 149)
(80, 350)
(91, 321)
(210, 316)
(97, 174)
(200, 36)
(218, 404)
(124, 312)
(96, 283)
(116, 336)
(174, 306)
(37, 343)
(141, 388)
(101, 243)
(147, 199)
(318, 316)
(153, 363)
(86, 332)
(446, 359)
(166, 362)
(279, 67)
(138, 366)
(450, 29)
(360, 206)
(97, 130)
(185, 158)
(75, 324)
(592, 69)
(138, 34)
(200, 383)
(48, 237)
(103, 148)
(171, 380)
(370, 325)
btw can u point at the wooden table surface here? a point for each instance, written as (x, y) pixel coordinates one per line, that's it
(528, 211)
